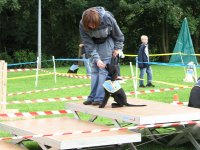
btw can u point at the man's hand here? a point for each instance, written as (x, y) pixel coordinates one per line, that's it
(115, 53)
(100, 64)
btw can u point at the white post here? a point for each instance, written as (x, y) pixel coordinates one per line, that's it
(195, 72)
(134, 84)
(3, 85)
(136, 71)
(54, 68)
(182, 62)
(37, 70)
(39, 32)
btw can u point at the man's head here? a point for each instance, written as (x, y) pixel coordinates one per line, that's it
(144, 39)
(91, 19)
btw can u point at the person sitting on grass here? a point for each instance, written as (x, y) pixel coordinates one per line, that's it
(143, 59)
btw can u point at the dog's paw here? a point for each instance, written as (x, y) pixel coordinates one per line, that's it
(101, 106)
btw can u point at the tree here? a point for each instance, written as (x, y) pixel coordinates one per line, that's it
(167, 15)
(191, 11)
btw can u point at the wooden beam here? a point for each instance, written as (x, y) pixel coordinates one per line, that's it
(3, 85)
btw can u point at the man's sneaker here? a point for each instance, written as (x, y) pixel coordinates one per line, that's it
(96, 103)
(150, 85)
(87, 103)
(142, 86)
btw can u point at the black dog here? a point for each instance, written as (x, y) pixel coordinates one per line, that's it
(194, 100)
(119, 95)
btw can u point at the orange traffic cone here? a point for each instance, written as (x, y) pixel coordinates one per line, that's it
(176, 98)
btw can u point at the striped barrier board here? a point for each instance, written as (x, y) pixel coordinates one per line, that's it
(34, 114)
(103, 130)
(56, 133)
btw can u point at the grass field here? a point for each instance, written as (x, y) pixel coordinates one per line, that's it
(173, 76)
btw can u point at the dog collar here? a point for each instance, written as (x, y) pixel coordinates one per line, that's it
(111, 86)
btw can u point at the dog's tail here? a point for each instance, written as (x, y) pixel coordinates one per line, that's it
(132, 105)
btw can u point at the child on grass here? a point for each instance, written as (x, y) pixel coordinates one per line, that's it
(143, 59)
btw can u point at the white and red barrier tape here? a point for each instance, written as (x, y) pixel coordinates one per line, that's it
(46, 90)
(103, 130)
(46, 100)
(85, 97)
(158, 90)
(67, 75)
(18, 70)
(34, 114)
(76, 76)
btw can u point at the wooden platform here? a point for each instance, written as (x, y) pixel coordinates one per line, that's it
(55, 125)
(154, 112)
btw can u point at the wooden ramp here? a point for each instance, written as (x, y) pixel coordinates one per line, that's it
(154, 112)
(56, 125)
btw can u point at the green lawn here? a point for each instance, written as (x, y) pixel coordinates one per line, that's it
(170, 75)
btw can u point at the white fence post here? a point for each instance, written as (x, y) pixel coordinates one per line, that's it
(54, 68)
(133, 79)
(37, 71)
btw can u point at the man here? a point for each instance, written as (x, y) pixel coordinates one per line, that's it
(194, 100)
(102, 39)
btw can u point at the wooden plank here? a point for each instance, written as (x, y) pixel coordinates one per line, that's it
(154, 112)
(3, 85)
(55, 125)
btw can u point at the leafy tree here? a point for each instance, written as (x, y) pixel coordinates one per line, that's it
(191, 11)
(159, 19)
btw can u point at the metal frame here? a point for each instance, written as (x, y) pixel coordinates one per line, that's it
(187, 114)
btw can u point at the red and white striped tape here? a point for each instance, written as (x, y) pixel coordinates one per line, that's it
(34, 114)
(76, 76)
(46, 90)
(18, 70)
(102, 130)
(46, 100)
(67, 75)
(85, 97)
(158, 90)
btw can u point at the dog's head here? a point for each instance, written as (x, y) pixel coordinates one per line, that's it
(112, 71)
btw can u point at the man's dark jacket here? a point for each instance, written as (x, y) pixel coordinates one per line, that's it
(142, 57)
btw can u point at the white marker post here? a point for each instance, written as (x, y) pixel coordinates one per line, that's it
(136, 71)
(133, 79)
(37, 70)
(182, 62)
(195, 72)
(54, 68)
